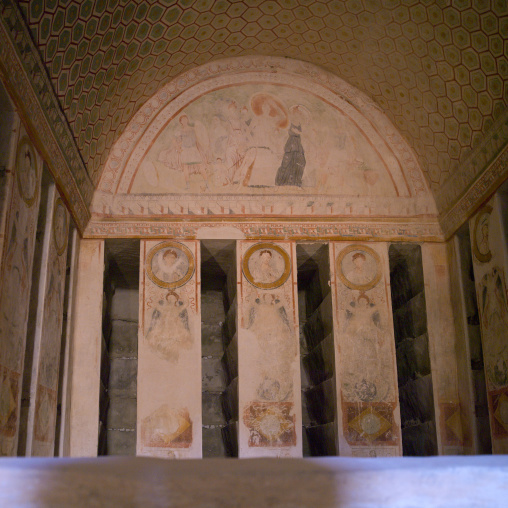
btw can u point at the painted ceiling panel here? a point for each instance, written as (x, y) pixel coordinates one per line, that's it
(439, 70)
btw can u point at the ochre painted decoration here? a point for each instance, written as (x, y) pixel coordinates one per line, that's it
(365, 423)
(498, 405)
(27, 176)
(266, 265)
(9, 392)
(480, 240)
(270, 424)
(167, 428)
(60, 226)
(452, 424)
(170, 265)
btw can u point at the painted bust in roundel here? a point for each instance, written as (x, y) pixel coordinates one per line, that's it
(266, 266)
(170, 265)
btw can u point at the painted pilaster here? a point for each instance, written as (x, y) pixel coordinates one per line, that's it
(452, 429)
(368, 410)
(7, 165)
(64, 446)
(86, 337)
(490, 264)
(169, 412)
(48, 334)
(269, 389)
(15, 284)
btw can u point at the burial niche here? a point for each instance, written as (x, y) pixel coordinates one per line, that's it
(219, 351)
(412, 350)
(119, 356)
(316, 350)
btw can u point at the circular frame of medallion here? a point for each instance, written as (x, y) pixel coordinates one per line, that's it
(60, 248)
(482, 258)
(29, 200)
(165, 245)
(266, 285)
(345, 280)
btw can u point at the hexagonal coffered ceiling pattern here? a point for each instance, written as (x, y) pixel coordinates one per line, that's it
(439, 71)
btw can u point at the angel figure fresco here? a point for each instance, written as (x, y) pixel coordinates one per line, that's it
(268, 320)
(366, 352)
(169, 330)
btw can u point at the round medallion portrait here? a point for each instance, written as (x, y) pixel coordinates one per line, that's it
(170, 265)
(266, 265)
(26, 171)
(358, 267)
(60, 226)
(481, 247)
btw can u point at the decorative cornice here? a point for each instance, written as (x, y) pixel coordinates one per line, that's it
(485, 185)
(371, 229)
(26, 80)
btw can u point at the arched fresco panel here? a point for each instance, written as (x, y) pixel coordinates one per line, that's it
(287, 143)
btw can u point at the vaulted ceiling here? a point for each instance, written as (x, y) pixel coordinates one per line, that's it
(439, 71)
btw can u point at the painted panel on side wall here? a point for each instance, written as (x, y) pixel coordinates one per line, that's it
(488, 242)
(51, 334)
(15, 283)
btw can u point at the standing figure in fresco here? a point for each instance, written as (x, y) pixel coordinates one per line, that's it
(27, 176)
(366, 353)
(169, 330)
(269, 321)
(293, 163)
(14, 290)
(192, 146)
(265, 146)
(494, 315)
(236, 145)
